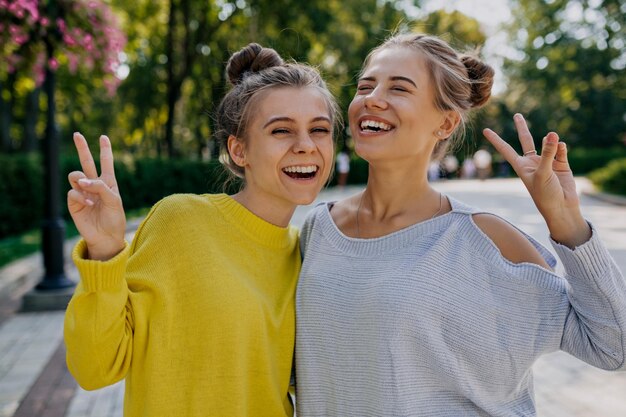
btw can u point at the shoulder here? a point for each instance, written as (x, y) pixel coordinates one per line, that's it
(170, 212)
(312, 218)
(512, 243)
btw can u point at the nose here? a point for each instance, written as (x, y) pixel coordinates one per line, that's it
(375, 99)
(304, 143)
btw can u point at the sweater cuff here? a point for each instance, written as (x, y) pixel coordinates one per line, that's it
(589, 259)
(100, 275)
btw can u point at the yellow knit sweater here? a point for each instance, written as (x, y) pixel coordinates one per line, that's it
(197, 313)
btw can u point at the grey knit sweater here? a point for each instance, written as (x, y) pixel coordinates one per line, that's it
(432, 321)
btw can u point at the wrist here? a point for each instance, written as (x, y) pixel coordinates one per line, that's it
(104, 252)
(570, 231)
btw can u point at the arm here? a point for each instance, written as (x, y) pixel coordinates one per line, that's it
(98, 321)
(98, 329)
(595, 329)
(513, 245)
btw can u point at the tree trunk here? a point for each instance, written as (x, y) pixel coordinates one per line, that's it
(171, 81)
(6, 112)
(30, 121)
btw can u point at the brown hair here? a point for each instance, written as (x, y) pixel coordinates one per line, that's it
(251, 70)
(461, 82)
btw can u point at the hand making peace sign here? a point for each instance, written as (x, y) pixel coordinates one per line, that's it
(94, 201)
(549, 181)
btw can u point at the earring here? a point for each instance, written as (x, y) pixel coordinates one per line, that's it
(439, 133)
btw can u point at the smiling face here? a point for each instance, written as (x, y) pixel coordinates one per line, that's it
(287, 154)
(393, 115)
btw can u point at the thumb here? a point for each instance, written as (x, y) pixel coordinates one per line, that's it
(548, 151)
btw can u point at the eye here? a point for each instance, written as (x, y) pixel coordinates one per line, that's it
(323, 130)
(364, 87)
(280, 131)
(399, 88)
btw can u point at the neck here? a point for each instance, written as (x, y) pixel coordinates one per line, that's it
(393, 189)
(272, 210)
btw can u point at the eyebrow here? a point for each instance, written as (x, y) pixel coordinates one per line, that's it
(290, 120)
(393, 78)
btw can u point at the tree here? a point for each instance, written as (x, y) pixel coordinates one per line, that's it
(570, 75)
(39, 35)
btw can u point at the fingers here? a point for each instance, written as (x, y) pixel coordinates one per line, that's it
(501, 146)
(548, 151)
(100, 189)
(525, 138)
(84, 154)
(76, 198)
(561, 152)
(106, 158)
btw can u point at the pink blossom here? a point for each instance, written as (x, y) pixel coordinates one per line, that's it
(69, 41)
(53, 64)
(61, 25)
(20, 39)
(72, 63)
(90, 38)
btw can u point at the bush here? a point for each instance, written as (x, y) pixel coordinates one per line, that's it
(22, 193)
(585, 160)
(142, 183)
(611, 178)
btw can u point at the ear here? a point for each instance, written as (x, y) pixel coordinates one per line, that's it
(236, 150)
(451, 120)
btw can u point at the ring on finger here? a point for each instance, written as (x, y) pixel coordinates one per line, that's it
(531, 152)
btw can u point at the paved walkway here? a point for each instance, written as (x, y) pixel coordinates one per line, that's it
(34, 380)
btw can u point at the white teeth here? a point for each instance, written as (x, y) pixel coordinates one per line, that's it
(373, 124)
(301, 169)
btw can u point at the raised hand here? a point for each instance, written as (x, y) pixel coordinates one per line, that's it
(94, 201)
(549, 181)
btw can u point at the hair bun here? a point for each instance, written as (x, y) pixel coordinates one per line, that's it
(481, 78)
(251, 58)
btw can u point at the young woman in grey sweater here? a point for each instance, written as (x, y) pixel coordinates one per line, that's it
(411, 303)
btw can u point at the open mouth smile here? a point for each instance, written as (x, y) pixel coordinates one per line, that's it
(305, 172)
(374, 126)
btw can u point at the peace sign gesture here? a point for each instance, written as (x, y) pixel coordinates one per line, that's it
(94, 201)
(549, 181)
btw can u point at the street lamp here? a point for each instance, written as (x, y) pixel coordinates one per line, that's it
(53, 227)
(52, 292)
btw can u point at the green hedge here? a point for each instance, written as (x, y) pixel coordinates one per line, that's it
(142, 183)
(584, 160)
(611, 178)
(21, 205)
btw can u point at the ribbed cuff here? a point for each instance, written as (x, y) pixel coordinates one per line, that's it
(100, 275)
(589, 259)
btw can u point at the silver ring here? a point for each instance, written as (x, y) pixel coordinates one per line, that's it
(533, 152)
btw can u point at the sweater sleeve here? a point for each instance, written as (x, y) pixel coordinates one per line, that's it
(595, 327)
(98, 327)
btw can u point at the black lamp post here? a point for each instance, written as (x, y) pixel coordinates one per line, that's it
(53, 226)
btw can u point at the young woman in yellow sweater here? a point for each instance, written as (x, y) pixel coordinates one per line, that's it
(197, 314)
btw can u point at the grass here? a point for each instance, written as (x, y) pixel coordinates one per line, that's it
(16, 247)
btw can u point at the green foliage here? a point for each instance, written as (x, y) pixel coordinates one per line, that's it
(142, 183)
(22, 193)
(611, 178)
(569, 76)
(585, 160)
